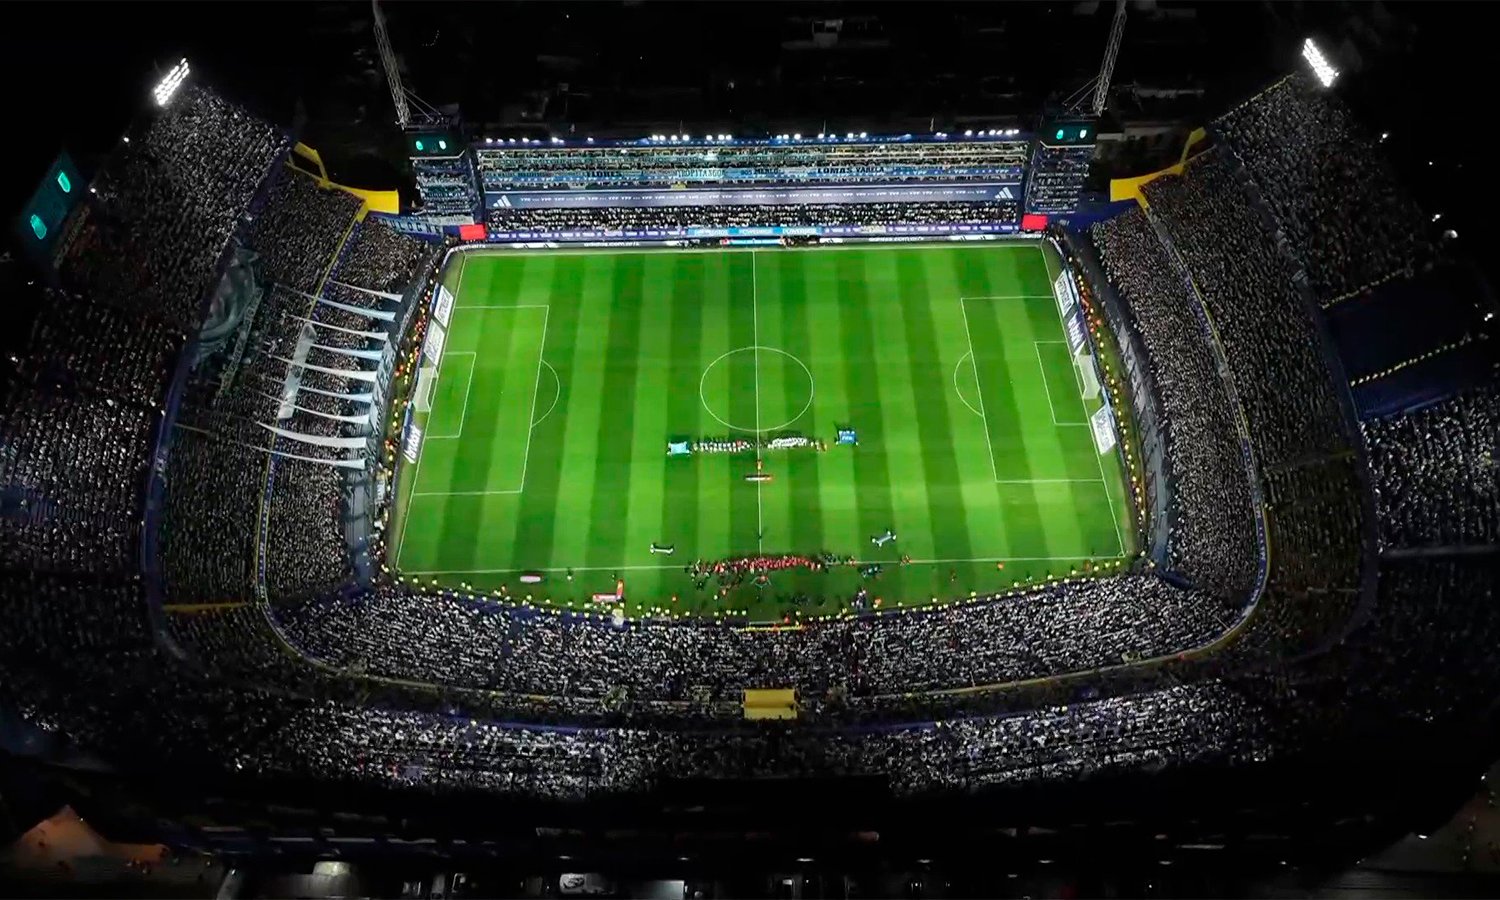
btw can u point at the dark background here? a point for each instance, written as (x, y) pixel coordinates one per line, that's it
(77, 72)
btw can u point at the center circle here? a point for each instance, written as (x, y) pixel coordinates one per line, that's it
(722, 360)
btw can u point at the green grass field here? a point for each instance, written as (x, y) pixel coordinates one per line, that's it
(565, 374)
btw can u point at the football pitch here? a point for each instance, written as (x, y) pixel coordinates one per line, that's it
(565, 375)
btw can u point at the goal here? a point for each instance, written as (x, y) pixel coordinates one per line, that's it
(422, 397)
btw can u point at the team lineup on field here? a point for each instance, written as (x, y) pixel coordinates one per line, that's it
(767, 433)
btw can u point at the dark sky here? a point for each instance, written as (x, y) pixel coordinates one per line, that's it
(77, 72)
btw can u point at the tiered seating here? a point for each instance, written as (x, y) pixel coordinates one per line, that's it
(166, 203)
(528, 168)
(554, 219)
(1282, 379)
(1212, 530)
(1345, 216)
(1437, 472)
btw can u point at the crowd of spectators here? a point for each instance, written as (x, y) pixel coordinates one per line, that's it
(209, 547)
(1325, 181)
(614, 218)
(1212, 529)
(1297, 429)
(1437, 472)
(165, 204)
(73, 472)
(448, 638)
(1246, 284)
(403, 686)
(382, 259)
(521, 168)
(100, 350)
(300, 229)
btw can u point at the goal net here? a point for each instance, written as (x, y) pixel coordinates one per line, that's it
(1088, 376)
(422, 397)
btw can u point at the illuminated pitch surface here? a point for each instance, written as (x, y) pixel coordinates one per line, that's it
(565, 374)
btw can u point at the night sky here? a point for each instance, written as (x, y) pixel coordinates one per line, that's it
(79, 71)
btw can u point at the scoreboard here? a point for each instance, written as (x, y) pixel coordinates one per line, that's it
(41, 221)
(1068, 134)
(437, 143)
(1060, 162)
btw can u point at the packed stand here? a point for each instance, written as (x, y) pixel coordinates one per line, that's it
(381, 258)
(300, 229)
(1437, 472)
(1270, 340)
(801, 215)
(1327, 185)
(101, 351)
(1287, 390)
(1212, 531)
(306, 550)
(211, 513)
(72, 475)
(1313, 519)
(210, 547)
(448, 639)
(216, 467)
(152, 235)
(524, 168)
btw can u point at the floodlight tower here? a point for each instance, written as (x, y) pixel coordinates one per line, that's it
(170, 83)
(1081, 102)
(1323, 70)
(1111, 53)
(1065, 143)
(388, 62)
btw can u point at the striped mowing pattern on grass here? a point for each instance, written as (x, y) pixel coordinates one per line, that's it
(565, 374)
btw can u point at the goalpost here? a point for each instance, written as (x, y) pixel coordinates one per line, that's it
(1088, 375)
(422, 396)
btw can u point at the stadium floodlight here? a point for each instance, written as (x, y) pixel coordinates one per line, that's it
(1320, 65)
(797, 136)
(168, 85)
(864, 134)
(968, 132)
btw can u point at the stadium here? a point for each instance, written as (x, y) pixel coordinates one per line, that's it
(799, 502)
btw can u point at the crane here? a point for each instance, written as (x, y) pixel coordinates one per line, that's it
(388, 62)
(1100, 83)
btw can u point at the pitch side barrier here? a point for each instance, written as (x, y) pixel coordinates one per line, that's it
(1142, 393)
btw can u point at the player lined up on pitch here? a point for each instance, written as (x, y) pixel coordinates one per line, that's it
(730, 572)
(743, 444)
